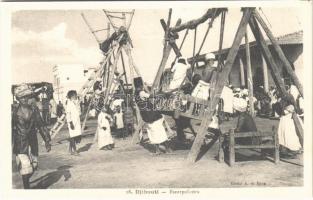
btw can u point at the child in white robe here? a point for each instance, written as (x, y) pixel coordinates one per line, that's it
(105, 140)
(73, 121)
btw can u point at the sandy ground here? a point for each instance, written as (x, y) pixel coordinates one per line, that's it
(133, 166)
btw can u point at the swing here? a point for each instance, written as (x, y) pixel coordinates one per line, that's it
(195, 106)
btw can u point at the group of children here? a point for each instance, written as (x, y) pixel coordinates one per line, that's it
(110, 118)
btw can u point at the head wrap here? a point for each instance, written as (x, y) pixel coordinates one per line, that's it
(23, 90)
(240, 104)
(209, 56)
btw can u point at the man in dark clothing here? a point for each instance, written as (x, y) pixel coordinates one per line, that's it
(151, 116)
(26, 120)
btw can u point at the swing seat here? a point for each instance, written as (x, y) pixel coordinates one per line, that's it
(194, 108)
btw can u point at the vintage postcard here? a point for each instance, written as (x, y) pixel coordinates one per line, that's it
(156, 100)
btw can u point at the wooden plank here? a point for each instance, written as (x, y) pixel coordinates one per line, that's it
(280, 52)
(223, 76)
(253, 134)
(267, 146)
(190, 98)
(249, 74)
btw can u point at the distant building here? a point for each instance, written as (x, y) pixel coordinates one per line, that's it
(292, 46)
(69, 77)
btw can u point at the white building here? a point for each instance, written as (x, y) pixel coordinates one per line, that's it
(69, 77)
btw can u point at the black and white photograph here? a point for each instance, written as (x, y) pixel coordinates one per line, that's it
(153, 100)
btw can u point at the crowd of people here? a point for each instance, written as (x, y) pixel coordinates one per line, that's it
(34, 111)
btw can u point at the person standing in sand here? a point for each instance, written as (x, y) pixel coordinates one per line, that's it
(104, 137)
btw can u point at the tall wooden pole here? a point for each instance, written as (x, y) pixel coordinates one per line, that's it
(276, 75)
(242, 73)
(249, 74)
(280, 52)
(209, 112)
(265, 75)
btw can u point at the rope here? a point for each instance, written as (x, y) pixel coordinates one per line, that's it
(207, 32)
(194, 50)
(265, 17)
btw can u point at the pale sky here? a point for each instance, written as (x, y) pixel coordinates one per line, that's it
(42, 39)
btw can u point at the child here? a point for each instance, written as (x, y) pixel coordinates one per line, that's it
(73, 121)
(105, 140)
(119, 122)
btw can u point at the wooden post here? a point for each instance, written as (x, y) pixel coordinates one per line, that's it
(231, 147)
(242, 73)
(276, 75)
(276, 143)
(249, 74)
(280, 52)
(132, 63)
(198, 142)
(299, 128)
(267, 54)
(90, 29)
(221, 150)
(112, 74)
(166, 53)
(265, 74)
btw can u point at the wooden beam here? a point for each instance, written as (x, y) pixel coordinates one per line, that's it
(299, 128)
(249, 74)
(242, 73)
(171, 40)
(265, 74)
(193, 23)
(124, 70)
(280, 52)
(166, 53)
(132, 63)
(90, 29)
(111, 77)
(267, 54)
(276, 75)
(198, 142)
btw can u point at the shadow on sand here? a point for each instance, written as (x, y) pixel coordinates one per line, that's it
(52, 177)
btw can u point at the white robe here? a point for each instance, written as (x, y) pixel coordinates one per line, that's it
(179, 75)
(287, 135)
(156, 132)
(201, 91)
(119, 122)
(104, 136)
(73, 115)
(227, 96)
